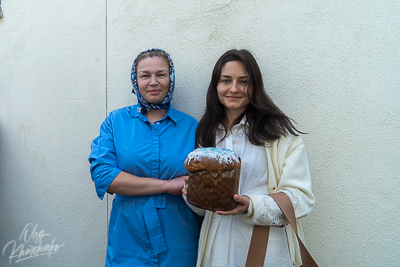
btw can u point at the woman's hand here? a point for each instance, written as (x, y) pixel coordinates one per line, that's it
(175, 185)
(132, 185)
(243, 203)
(185, 185)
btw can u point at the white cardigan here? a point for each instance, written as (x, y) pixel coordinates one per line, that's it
(288, 172)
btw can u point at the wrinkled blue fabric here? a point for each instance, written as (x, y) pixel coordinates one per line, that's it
(158, 230)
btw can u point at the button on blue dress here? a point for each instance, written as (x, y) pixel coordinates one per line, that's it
(157, 230)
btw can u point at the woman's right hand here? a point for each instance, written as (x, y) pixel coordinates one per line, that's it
(175, 185)
(132, 185)
(185, 186)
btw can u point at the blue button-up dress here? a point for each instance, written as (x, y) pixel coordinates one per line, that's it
(157, 230)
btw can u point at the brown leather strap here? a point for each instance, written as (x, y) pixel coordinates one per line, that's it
(286, 206)
(258, 246)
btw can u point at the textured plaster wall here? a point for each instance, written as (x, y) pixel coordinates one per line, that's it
(52, 99)
(330, 65)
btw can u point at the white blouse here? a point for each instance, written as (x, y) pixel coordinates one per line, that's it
(228, 238)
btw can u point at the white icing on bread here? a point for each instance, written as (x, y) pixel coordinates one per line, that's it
(212, 159)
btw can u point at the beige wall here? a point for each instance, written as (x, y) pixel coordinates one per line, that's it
(331, 65)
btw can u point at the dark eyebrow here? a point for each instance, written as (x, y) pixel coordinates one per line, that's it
(160, 71)
(241, 77)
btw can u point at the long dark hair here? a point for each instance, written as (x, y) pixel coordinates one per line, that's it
(266, 121)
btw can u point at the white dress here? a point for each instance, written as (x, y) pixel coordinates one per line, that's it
(228, 238)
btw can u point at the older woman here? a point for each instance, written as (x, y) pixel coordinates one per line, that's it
(139, 157)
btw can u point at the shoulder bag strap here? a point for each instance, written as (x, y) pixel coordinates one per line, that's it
(258, 246)
(259, 239)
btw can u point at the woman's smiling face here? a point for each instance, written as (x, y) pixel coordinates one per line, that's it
(232, 87)
(153, 79)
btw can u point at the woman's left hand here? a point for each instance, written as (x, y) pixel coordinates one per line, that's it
(243, 203)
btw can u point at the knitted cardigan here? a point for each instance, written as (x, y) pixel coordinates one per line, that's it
(288, 172)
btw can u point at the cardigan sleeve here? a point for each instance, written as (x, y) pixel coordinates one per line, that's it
(292, 174)
(103, 159)
(197, 210)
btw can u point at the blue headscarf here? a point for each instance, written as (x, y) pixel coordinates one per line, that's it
(143, 105)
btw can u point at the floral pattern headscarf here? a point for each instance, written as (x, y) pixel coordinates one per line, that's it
(143, 105)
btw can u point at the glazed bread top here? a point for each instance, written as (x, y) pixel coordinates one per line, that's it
(212, 159)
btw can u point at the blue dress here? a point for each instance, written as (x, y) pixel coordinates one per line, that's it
(157, 230)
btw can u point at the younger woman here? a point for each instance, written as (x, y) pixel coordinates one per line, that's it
(240, 116)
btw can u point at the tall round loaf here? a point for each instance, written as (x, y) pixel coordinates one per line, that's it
(213, 178)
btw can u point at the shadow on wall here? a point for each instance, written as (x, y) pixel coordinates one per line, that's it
(5, 212)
